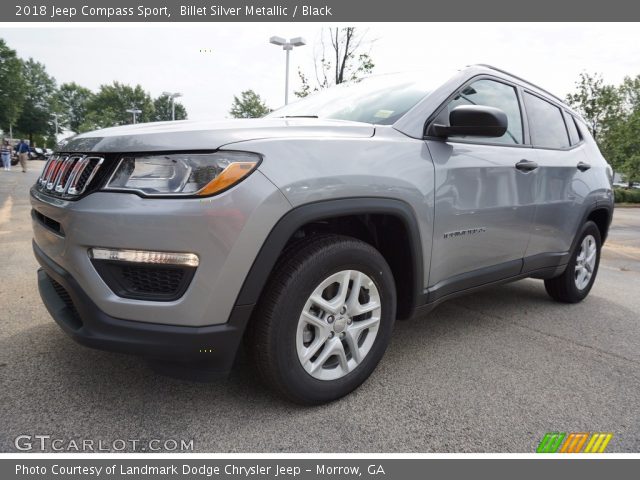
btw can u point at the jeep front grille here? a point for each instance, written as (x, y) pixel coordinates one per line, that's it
(68, 176)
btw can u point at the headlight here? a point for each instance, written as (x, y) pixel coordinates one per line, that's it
(185, 174)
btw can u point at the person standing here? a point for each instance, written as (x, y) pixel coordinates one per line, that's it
(22, 150)
(5, 152)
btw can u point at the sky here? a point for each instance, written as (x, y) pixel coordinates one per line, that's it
(210, 63)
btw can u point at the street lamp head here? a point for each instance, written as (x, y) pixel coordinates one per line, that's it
(172, 94)
(277, 40)
(297, 41)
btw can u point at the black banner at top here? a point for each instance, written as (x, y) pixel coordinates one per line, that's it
(316, 10)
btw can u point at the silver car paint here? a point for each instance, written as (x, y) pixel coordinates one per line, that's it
(308, 160)
(389, 165)
(209, 135)
(225, 231)
(564, 194)
(478, 187)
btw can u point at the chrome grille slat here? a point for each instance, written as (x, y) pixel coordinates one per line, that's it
(63, 182)
(61, 172)
(84, 186)
(82, 165)
(54, 173)
(50, 170)
(68, 176)
(41, 180)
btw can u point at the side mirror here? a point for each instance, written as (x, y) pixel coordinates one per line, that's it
(473, 121)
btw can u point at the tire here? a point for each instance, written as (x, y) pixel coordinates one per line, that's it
(572, 286)
(281, 338)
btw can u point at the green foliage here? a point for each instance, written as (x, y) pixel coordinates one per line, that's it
(623, 145)
(340, 60)
(73, 103)
(249, 105)
(598, 103)
(613, 115)
(39, 101)
(626, 195)
(109, 106)
(162, 107)
(29, 99)
(12, 86)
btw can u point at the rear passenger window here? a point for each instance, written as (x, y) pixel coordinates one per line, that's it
(574, 135)
(545, 123)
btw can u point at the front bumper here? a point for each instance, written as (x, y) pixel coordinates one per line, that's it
(73, 310)
(225, 231)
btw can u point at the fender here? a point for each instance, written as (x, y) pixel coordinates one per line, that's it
(323, 210)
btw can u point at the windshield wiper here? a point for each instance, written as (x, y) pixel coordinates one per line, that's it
(299, 116)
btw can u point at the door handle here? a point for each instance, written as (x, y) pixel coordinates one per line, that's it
(583, 167)
(526, 165)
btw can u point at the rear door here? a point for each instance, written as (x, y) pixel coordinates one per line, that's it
(484, 204)
(562, 176)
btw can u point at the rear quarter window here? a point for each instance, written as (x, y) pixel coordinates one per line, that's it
(574, 133)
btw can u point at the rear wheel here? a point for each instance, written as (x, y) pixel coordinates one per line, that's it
(324, 320)
(576, 281)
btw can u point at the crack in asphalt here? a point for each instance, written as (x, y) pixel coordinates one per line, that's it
(547, 334)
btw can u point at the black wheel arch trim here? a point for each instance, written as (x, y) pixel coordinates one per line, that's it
(302, 215)
(597, 205)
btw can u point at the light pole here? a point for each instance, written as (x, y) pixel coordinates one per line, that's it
(134, 111)
(287, 46)
(173, 97)
(55, 121)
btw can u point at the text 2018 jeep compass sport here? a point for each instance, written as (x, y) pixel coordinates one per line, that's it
(309, 231)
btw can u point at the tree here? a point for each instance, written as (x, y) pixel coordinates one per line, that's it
(12, 86)
(162, 107)
(598, 103)
(109, 106)
(613, 116)
(339, 59)
(250, 105)
(622, 140)
(73, 104)
(36, 117)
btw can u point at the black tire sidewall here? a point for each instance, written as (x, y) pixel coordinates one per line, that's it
(347, 255)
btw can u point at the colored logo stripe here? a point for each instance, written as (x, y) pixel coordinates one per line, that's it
(598, 442)
(574, 442)
(550, 442)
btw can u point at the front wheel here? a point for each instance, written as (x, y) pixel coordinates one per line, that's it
(576, 281)
(324, 320)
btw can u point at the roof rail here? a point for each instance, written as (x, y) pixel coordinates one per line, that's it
(519, 78)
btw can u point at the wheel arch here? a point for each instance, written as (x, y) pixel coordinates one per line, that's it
(285, 229)
(601, 214)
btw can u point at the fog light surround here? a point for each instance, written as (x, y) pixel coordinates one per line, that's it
(145, 256)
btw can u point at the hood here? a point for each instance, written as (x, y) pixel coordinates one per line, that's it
(208, 135)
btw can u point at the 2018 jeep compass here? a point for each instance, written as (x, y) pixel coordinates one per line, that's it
(309, 231)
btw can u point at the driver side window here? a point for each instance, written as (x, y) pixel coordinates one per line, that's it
(491, 94)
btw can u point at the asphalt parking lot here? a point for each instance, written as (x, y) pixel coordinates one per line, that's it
(490, 372)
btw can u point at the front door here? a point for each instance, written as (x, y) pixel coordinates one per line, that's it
(484, 198)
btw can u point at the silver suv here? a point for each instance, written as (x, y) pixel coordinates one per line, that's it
(308, 232)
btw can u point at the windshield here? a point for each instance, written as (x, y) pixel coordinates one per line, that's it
(381, 99)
